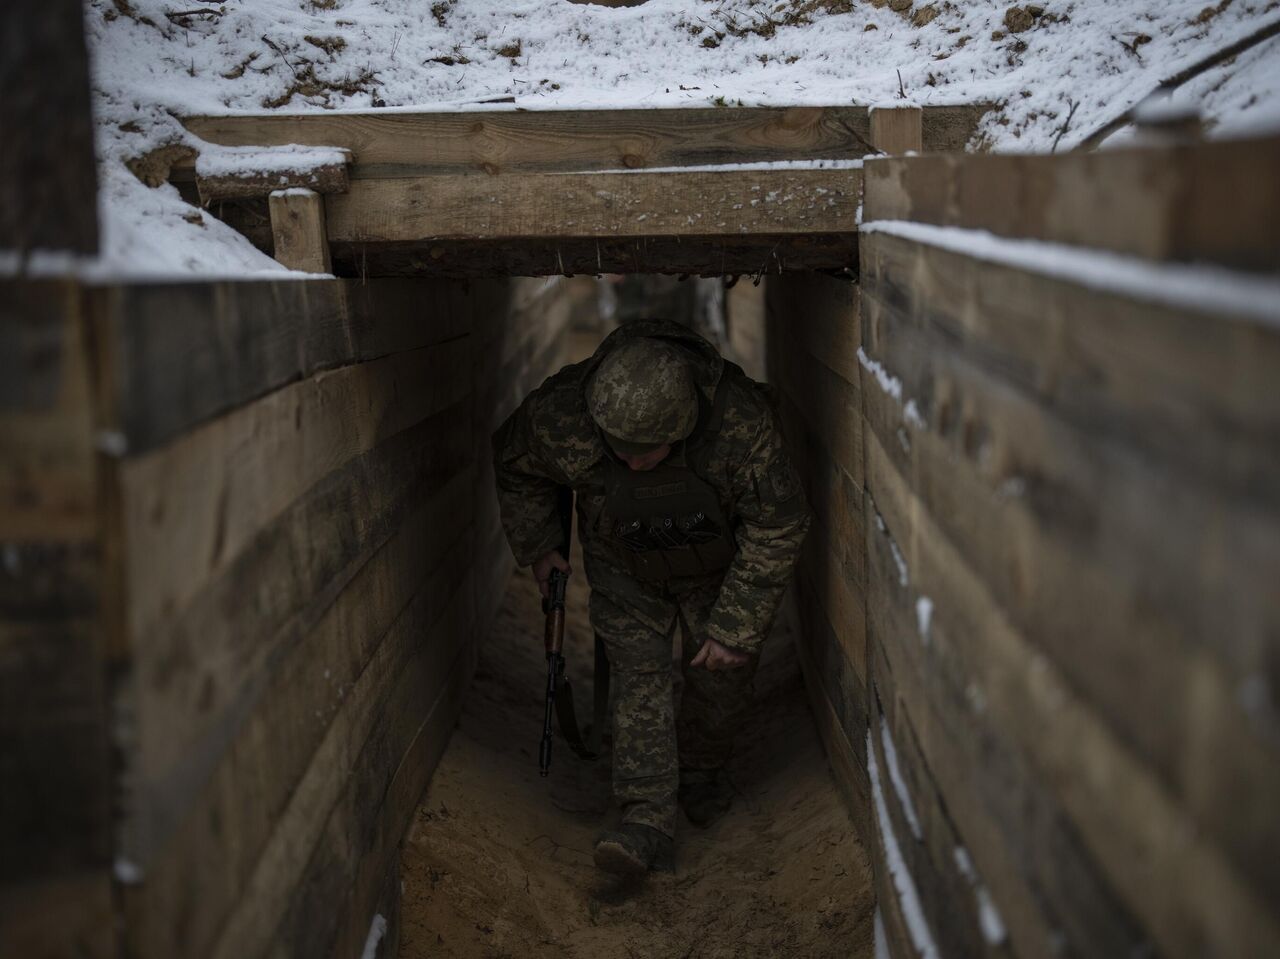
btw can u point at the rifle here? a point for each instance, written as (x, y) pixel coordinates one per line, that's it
(559, 692)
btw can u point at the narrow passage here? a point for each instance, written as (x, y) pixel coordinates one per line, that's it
(498, 862)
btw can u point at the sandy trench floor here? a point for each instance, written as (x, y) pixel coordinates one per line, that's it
(497, 861)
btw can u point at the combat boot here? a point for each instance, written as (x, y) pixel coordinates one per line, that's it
(634, 849)
(704, 796)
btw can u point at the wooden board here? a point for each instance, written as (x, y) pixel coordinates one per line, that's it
(202, 670)
(334, 676)
(530, 205)
(167, 376)
(752, 255)
(326, 178)
(48, 177)
(1182, 203)
(499, 142)
(299, 236)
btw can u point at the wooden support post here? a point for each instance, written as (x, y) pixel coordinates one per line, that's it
(896, 130)
(297, 223)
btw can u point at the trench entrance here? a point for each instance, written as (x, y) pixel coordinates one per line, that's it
(498, 861)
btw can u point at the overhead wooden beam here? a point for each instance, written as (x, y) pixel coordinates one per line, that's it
(752, 255)
(520, 141)
(597, 205)
(297, 223)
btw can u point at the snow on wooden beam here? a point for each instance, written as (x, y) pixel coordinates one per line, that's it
(588, 205)
(518, 141)
(244, 173)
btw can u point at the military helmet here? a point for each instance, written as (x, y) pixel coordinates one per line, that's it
(643, 395)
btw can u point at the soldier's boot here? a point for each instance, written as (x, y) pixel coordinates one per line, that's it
(704, 796)
(634, 849)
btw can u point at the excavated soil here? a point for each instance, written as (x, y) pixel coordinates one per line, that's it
(497, 862)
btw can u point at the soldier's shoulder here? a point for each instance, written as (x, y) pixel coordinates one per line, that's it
(749, 407)
(558, 417)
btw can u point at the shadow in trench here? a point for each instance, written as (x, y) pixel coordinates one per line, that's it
(498, 861)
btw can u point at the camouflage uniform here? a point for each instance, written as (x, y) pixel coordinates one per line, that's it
(552, 440)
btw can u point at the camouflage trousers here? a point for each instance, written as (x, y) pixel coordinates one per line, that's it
(656, 739)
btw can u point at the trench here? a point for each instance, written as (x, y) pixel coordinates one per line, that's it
(497, 861)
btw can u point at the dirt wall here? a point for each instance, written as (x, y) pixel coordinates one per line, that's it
(248, 561)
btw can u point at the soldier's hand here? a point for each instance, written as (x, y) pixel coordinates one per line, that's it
(542, 570)
(715, 656)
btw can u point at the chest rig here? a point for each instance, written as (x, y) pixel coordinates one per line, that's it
(669, 522)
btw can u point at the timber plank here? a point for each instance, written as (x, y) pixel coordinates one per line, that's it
(300, 239)
(365, 638)
(752, 254)
(207, 667)
(168, 376)
(1184, 890)
(596, 205)
(1017, 833)
(1035, 503)
(48, 488)
(1171, 203)
(193, 505)
(1143, 373)
(516, 141)
(951, 891)
(396, 760)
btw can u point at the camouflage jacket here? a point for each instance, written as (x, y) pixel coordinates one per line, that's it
(551, 440)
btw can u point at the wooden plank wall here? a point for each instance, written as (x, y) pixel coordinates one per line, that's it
(289, 524)
(1047, 676)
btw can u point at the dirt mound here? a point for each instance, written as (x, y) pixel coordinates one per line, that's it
(498, 861)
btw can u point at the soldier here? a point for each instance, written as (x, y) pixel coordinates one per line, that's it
(689, 510)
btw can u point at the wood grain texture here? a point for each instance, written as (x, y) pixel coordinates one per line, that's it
(1184, 203)
(301, 241)
(468, 207)
(167, 376)
(897, 130)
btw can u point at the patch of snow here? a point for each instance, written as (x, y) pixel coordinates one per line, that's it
(903, 883)
(377, 929)
(899, 783)
(911, 413)
(924, 617)
(881, 939)
(888, 382)
(1186, 286)
(989, 919)
(258, 161)
(127, 871)
(900, 561)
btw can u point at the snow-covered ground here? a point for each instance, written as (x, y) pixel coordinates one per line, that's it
(157, 60)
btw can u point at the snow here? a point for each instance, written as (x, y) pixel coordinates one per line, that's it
(903, 883)
(888, 382)
(1201, 287)
(899, 783)
(1080, 64)
(989, 919)
(924, 617)
(258, 161)
(881, 939)
(377, 929)
(127, 871)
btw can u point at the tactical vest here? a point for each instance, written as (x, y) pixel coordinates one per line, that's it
(668, 521)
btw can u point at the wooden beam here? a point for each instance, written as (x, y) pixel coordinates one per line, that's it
(597, 205)
(297, 224)
(897, 129)
(272, 177)
(518, 141)
(750, 255)
(1181, 203)
(48, 178)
